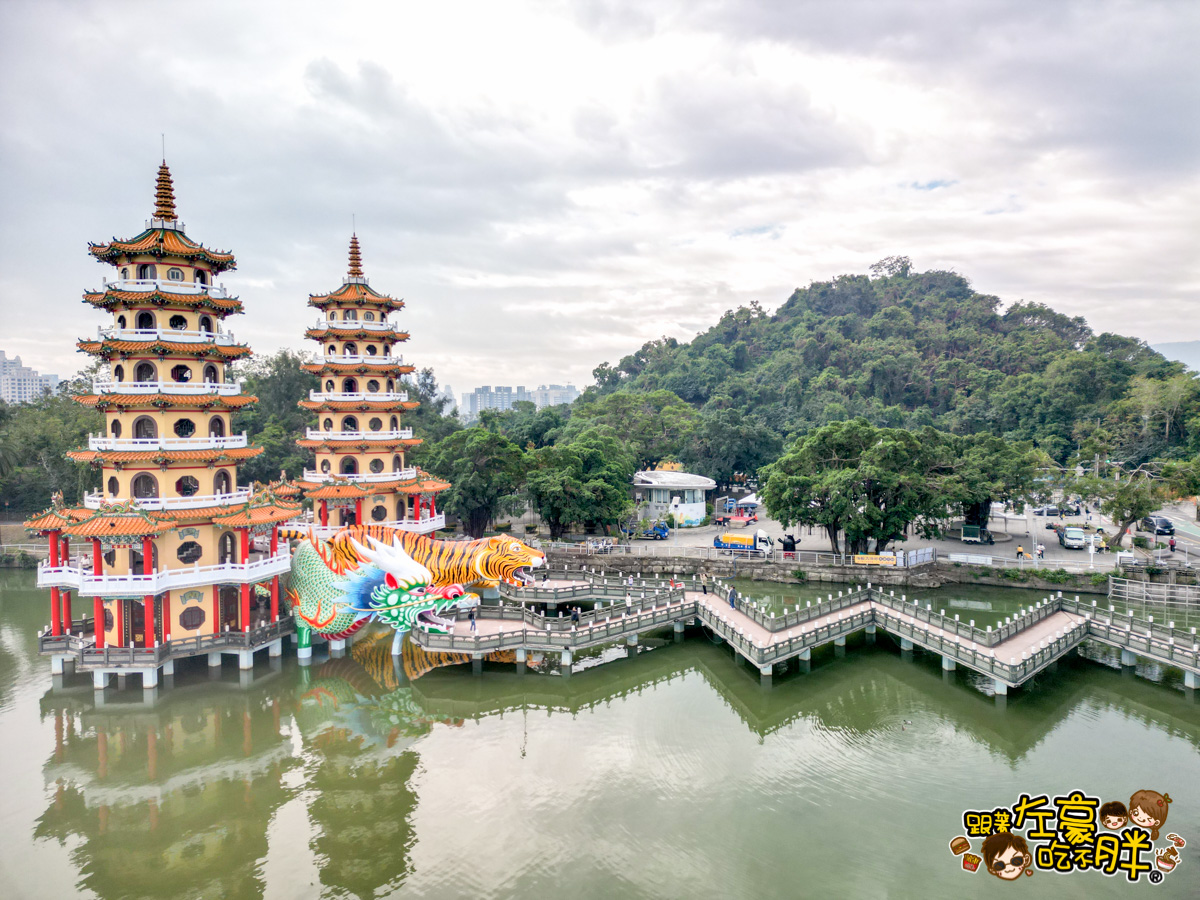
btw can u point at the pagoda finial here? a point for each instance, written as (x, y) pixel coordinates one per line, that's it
(164, 195)
(355, 258)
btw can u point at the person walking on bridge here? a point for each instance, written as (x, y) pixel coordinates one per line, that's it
(471, 616)
(732, 599)
(575, 615)
(704, 582)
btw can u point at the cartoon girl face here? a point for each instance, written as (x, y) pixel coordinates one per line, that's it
(1139, 817)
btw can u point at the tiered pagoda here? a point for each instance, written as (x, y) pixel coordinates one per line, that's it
(163, 550)
(361, 474)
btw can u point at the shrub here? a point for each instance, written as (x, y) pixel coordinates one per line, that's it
(531, 529)
(1015, 574)
(1057, 576)
(799, 574)
(1098, 579)
(1154, 570)
(503, 527)
(1141, 543)
(670, 520)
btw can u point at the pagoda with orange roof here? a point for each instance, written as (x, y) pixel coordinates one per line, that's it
(361, 474)
(170, 569)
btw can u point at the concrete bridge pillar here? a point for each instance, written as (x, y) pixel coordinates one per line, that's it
(168, 668)
(245, 677)
(871, 628)
(906, 644)
(567, 659)
(765, 674)
(245, 659)
(520, 660)
(294, 638)
(999, 688)
(477, 664)
(1191, 679)
(1128, 658)
(337, 645)
(631, 640)
(214, 659)
(275, 648)
(149, 696)
(805, 655)
(57, 665)
(948, 664)
(149, 678)
(304, 655)
(839, 641)
(99, 680)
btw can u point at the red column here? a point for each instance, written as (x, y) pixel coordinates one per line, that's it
(98, 604)
(245, 617)
(358, 511)
(148, 600)
(274, 539)
(55, 608)
(216, 628)
(324, 513)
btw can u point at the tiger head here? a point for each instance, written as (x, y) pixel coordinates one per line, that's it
(504, 558)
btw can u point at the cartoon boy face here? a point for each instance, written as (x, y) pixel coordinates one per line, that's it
(1006, 855)
(1113, 823)
(1113, 815)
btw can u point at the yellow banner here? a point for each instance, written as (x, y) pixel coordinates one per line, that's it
(873, 560)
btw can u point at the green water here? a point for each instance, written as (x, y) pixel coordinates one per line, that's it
(671, 773)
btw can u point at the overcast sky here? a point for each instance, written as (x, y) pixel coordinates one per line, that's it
(550, 184)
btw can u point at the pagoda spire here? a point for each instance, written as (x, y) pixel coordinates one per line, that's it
(164, 195)
(355, 258)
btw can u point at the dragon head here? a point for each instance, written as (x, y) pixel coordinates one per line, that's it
(405, 597)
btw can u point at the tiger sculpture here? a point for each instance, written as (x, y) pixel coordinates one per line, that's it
(481, 564)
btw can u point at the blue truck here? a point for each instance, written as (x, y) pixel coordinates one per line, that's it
(647, 531)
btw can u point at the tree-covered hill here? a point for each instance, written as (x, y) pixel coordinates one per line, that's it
(907, 349)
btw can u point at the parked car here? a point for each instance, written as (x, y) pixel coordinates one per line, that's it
(1067, 510)
(1158, 525)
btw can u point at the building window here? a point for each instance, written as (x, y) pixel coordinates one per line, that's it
(332, 350)
(349, 386)
(124, 274)
(185, 428)
(145, 486)
(174, 274)
(351, 315)
(189, 552)
(377, 466)
(221, 483)
(181, 374)
(216, 427)
(379, 513)
(350, 350)
(145, 372)
(145, 321)
(191, 618)
(329, 386)
(178, 323)
(119, 373)
(325, 466)
(225, 552)
(331, 315)
(201, 277)
(115, 428)
(147, 273)
(121, 322)
(349, 423)
(391, 386)
(371, 351)
(397, 464)
(395, 424)
(114, 487)
(372, 386)
(145, 428)
(376, 423)
(187, 486)
(349, 466)
(206, 324)
(328, 424)
(210, 374)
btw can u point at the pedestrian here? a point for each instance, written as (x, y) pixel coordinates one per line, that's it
(1171, 543)
(732, 599)
(471, 616)
(630, 579)
(1041, 551)
(545, 575)
(1020, 551)
(575, 615)
(704, 582)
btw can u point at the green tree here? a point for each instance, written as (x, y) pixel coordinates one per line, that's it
(725, 442)
(983, 468)
(1126, 497)
(585, 480)
(658, 424)
(485, 471)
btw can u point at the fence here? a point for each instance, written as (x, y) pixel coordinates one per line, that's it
(1157, 602)
(660, 550)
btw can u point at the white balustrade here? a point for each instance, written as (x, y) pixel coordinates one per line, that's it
(355, 324)
(220, 338)
(229, 442)
(378, 397)
(316, 434)
(144, 285)
(190, 388)
(395, 475)
(196, 501)
(418, 526)
(90, 585)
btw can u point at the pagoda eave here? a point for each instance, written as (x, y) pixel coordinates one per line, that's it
(151, 402)
(160, 243)
(163, 457)
(106, 300)
(107, 348)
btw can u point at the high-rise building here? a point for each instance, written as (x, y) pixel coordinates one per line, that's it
(168, 563)
(554, 395)
(501, 397)
(361, 473)
(20, 384)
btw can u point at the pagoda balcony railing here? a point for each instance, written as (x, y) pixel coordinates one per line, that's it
(229, 442)
(316, 434)
(196, 501)
(166, 287)
(418, 526)
(355, 323)
(392, 397)
(379, 360)
(395, 475)
(228, 389)
(131, 585)
(221, 338)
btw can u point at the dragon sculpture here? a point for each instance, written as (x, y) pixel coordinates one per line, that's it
(373, 573)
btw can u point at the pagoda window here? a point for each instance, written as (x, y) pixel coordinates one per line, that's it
(145, 371)
(189, 552)
(206, 324)
(181, 374)
(333, 349)
(350, 350)
(121, 322)
(192, 618)
(327, 424)
(375, 424)
(110, 557)
(178, 323)
(187, 486)
(119, 373)
(377, 466)
(124, 274)
(145, 321)
(350, 315)
(395, 424)
(372, 386)
(349, 466)
(325, 467)
(216, 427)
(145, 428)
(329, 386)
(201, 277)
(145, 486)
(371, 351)
(115, 428)
(147, 273)
(210, 374)
(397, 464)
(331, 315)
(225, 551)
(391, 386)
(349, 423)
(368, 317)
(174, 274)
(401, 509)
(221, 483)
(350, 385)
(185, 428)
(114, 486)
(379, 513)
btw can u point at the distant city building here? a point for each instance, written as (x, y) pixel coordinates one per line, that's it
(448, 395)
(554, 395)
(20, 384)
(501, 397)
